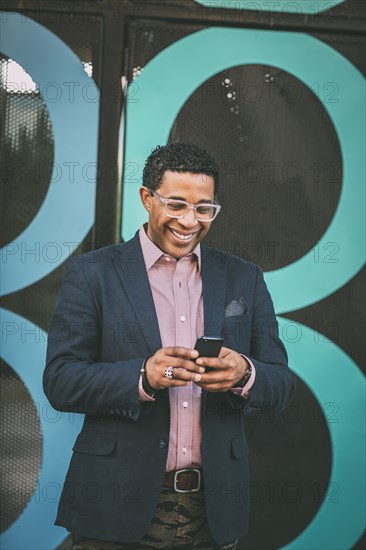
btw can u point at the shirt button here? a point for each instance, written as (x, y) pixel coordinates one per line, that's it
(162, 444)
(182, 318)
(185, 404)
(184, 450)
(167, 259)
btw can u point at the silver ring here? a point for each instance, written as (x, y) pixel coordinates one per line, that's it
(169, 372)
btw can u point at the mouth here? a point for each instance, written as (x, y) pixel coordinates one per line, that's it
(183, 237)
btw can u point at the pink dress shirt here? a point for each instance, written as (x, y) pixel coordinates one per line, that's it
(176, 287)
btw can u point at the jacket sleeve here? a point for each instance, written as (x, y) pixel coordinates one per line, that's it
(74, 378)
(274, 382)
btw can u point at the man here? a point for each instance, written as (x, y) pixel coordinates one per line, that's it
(162, 459)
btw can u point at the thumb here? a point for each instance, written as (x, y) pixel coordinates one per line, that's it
(224, 352)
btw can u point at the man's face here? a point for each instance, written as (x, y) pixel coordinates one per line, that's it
(178, 237)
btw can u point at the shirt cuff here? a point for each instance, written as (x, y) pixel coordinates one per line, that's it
(143, 396)
(244, 392)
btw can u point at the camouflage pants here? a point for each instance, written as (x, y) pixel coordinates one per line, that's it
(179, 522)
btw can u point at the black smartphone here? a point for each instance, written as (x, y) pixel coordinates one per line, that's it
(209, 346)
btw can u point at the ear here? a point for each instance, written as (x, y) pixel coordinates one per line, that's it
(145, 198)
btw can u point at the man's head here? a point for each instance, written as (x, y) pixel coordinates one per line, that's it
(178, 157)
(180, 172)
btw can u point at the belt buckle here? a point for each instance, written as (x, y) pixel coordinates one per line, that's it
(187, 490)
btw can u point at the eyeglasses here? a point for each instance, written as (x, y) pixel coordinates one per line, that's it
(204, 212)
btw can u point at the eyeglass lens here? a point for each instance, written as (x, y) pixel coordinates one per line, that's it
(178, 209)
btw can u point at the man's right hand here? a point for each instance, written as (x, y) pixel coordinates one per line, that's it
(182, 360)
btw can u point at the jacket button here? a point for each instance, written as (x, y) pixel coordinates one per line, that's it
(162, 444)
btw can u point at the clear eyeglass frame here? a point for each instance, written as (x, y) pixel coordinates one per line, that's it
(214, 208)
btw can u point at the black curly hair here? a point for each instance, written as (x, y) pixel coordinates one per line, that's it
(178, 157)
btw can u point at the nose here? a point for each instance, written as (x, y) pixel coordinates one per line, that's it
(189, 219)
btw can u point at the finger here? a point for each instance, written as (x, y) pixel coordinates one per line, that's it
(185, 364)
(216, 362)
(183, 374)
(218, 377)
(167, 382)
(224, 351)
(180, 375)
(178, 351)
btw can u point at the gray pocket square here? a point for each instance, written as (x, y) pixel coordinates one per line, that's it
(236, 308)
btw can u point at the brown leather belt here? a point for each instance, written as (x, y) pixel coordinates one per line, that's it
(188, 480)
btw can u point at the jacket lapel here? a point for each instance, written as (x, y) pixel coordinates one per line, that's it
(214, 290)
(130, 266)
(214, 294)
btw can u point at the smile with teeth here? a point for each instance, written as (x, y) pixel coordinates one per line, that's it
(181, 236)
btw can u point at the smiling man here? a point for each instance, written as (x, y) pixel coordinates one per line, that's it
(163, 444)
(178, 236)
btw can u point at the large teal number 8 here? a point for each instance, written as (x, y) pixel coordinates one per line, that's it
(180, 69)
(63, 221)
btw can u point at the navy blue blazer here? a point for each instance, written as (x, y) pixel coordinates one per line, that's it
(103, 327)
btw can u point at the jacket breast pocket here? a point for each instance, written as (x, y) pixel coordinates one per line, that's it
(95, 444)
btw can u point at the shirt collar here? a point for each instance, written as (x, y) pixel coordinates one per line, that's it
(152, 253)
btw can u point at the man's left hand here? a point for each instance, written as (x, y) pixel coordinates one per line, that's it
(228, 368)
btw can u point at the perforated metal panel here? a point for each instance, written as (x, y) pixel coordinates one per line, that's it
(26, 158)
(26, 149)
(280, 162)
(21, 446)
